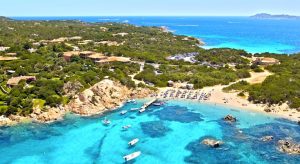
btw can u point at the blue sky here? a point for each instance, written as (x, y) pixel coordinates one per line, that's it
(146, 7)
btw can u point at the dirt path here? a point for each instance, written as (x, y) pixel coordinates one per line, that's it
(258, 77)
(142, 65)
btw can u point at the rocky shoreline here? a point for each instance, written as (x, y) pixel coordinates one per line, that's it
(104, 96)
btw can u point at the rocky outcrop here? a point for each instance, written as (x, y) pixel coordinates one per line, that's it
(212, 143)
(230, 118)
(268, 110)
(267, 138)
(71, 88)
(50, 115)
(289, 147)
(103, 96)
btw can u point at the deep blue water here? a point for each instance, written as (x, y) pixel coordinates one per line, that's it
(168, 134)
(252, 35)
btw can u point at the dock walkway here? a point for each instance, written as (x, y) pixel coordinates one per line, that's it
(146, 105)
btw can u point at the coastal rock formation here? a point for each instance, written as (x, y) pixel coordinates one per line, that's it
(52, 114)
(103, 96)
(230, 118)
(289, 147)
(268, 110)
(267, 138)
(72, 88)
(212, 143)
(4, 121)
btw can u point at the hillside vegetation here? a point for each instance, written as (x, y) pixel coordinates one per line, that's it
(142, 44)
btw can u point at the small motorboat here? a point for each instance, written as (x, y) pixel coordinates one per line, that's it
(158, 103)
(123, 112)
(132, 156)
(142, 110)
(134, 109)
(126, 127)
(106, 121)
(133, 142)
(131, 101)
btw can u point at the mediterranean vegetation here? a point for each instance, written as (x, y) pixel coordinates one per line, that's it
(281, 87)
(38, 53)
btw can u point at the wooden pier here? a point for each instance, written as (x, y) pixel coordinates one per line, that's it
(146, 105)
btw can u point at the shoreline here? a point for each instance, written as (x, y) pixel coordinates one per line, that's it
(257, 108)
(105, 96)
(218, 97)
(213, 95)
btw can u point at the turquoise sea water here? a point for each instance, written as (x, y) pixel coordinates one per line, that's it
(252, 35)
(168, 134)
(172, 133)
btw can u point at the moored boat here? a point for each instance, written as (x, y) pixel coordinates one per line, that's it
(158, 103)
(132, 156)
(134, 109)
(131, 101)
(123, 112)
(126, 127)
(133, 142)
(106, 121)
(142, 110)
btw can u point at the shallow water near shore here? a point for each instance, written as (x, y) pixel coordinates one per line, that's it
(168, 134)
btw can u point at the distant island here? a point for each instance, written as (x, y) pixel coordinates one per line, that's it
(270, 16)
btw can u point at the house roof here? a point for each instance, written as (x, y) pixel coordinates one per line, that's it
(114, 59)
(7, 58)
(97, 56)
(15, 80)
(71, 53)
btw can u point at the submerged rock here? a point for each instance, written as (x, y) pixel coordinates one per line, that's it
(212, 143)
(155, 129)
(178, 114)
(202, 153)
(230, 118)
(267, 138)
(289, 147)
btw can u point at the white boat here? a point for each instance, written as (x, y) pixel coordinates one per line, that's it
(158, 103)
(106, 121)
(142, 110)
(134, 109)
(132, 156)
(133, 142)
(131, 101)
(123, 112)
(126, 127)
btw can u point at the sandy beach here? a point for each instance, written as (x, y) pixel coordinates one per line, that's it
(218, 96)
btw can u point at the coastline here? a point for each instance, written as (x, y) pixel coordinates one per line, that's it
(103, 97)
(89, 103)
(233, 100)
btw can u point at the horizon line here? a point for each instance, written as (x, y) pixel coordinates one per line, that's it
(143, 15)
(128, 16)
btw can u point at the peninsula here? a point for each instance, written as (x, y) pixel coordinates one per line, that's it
(49, 68)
